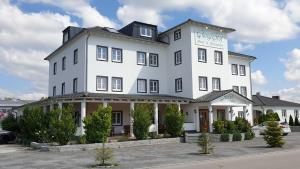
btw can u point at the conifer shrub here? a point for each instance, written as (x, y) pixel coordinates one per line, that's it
(174, 120)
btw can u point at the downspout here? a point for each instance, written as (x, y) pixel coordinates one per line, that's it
(86, 61)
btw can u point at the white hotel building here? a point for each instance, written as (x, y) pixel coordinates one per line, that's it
(188, 64)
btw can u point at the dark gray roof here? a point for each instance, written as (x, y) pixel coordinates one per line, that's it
(268, 101)
(14, 102)
(241, 55)
(216, 94)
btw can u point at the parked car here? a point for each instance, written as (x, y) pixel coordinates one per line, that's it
(263, 126)
(6, 136)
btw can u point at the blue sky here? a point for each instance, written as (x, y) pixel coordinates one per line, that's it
(270, 32)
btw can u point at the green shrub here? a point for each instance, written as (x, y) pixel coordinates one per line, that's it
(230, 127)
(237, 136)
(98, 125)
(297, 121)
(249, 135)
(204, 143)
(174, 120)
(291, 121)
(218, 126)
(62, 125)
(225, 137)
(242, 125)
(10, 123)
(142, 119)
(82, 139)
(270, 115)
(273, 135)
(34, 125)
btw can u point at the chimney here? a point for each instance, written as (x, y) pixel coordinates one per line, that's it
(276, 97)
(258, 93)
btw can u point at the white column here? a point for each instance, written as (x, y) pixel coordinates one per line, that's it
(82, 115)
(105, 104)
(196, 119)
(211, 118)
(179, 107)
(156, 117)
(60, 105)
(250, 112)
(228, 113)
(131, 119)
(244, 112)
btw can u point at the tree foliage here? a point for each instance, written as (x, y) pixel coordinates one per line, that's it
(10, 123)
(174, 120)
(205, 143)
(142, 119)
(291, 121)
(273, 135)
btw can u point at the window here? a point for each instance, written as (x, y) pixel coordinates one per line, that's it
(63, 65)
(75, 56)
(116, 118)
(66, 36)
(154, 86)
(75, 85)
(202, 83)
(296, 113)
(218, 57)
(102, 53)
(142, 86)
(54, 68)
(241, 114)
(177, 34)
(54, 91)
(201, 55)
(235, 88)
(116, 55)
(178, 85)
(216, 84)
(63, 88)
(178, 57)
(244, 91)
(242, 70)
(141, 58)
(153, 60)
(101, 83)
(116, 84)
(234, 69)
(145, 31)
(283, 112)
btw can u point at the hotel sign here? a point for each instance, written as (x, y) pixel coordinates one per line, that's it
(209, 38)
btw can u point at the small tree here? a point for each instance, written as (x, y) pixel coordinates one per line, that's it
(62, 125)
(174, 120)
(142, 119)
(204, 143)
(98, 125)
(297, 121)
(273, 135)
(10, 123)
(104, 155)
(291, 121)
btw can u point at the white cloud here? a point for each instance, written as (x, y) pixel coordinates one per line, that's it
(258, 78)
(81, 9)
(240, 47)
(292, 65)
(292, 8)
(25, 39)
(256, 21)
(20, 95)
(290, 94)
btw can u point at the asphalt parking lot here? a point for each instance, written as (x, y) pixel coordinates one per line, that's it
(137, 157)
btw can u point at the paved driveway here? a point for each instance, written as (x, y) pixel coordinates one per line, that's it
(140, 157)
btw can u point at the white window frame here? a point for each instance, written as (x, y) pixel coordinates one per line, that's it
(177, 34)
(115, 116)
(234, 69)
(138, 85)
(178, 85)
(102, 83)
(116, 84)
(218, 57)
(216, 86)
(242, 70)
(75, 85)
(116, 55)
(102, 53)
(153, 59)
(63, 63)
(141, 61)
(75, 56)
(202, 55)
(63, 88)
(237, 89)
(54, 91)
(54, 68)
(154, 86)
(146, 31)
(178, 57)
(244, 89)
(203, 83)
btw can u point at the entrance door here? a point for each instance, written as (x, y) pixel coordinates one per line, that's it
(203, 115)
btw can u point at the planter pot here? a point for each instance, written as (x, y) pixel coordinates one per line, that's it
(230, 137)
(243, 136)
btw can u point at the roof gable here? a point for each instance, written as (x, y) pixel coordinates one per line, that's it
(267, 101)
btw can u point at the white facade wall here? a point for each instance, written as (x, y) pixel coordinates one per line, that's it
(278, 110)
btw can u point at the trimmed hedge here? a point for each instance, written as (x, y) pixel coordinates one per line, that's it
(237, 136)
(225, 137)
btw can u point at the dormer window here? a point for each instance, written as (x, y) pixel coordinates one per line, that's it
(145, 31)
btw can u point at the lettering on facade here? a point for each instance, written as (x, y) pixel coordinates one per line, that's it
(210, 38)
